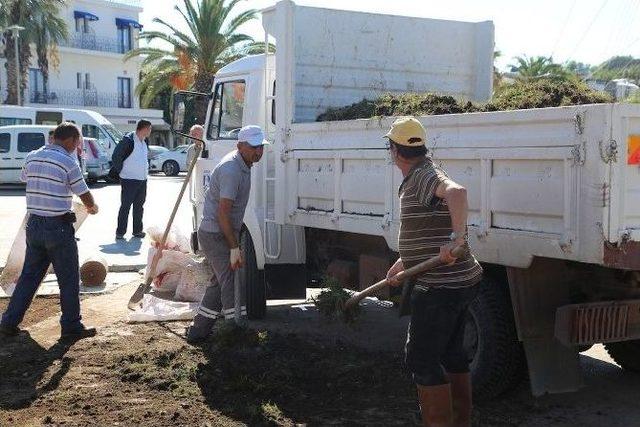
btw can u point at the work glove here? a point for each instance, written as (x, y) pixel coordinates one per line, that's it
(235, 259)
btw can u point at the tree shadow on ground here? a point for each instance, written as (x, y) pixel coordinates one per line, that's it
(25, 367)
(265, 378)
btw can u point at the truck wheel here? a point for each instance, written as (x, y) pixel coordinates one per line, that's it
(255, 290)
(498, 361)
(170, 168)
(626, 354)
(195, 245)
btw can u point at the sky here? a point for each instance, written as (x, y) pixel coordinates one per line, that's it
(589, 31)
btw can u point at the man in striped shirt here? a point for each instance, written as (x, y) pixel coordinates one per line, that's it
(52, 176)
(433, 222)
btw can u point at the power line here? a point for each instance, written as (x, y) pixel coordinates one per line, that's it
(564, 25)
(584, 35)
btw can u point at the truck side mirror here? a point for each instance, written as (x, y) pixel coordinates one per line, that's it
(189, 108)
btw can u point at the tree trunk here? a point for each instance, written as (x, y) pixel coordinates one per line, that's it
(43, 64)
(10, 65)
(25, 62)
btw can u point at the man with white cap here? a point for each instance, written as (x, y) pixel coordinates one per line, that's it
(433, 221)
(225, 201)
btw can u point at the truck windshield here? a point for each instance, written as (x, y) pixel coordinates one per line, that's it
(114, 133)
(228, 110)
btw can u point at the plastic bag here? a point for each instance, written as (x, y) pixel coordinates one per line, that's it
(190, 288)
(170, 261)
(167, 282)
(176, 240)
(159, 310)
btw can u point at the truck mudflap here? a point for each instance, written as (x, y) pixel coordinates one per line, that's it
(625, 256)
(600, 322)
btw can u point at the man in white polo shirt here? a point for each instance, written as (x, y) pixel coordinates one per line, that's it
(131, 164)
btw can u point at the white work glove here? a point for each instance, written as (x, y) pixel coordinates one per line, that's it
(235, 260)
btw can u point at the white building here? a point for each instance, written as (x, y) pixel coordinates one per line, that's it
(92, 73)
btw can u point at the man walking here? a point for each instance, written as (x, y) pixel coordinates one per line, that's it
(433, 221)
(52, 177)
(225, 201)
(131, 164)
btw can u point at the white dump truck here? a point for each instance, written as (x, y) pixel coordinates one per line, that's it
(554, 193)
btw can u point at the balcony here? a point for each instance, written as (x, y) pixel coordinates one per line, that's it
(93, 42)
(134, 3)
(80, 98)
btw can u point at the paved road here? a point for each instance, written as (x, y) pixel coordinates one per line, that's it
(97, 234)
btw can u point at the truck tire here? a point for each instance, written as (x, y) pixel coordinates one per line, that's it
(255, 290)
(626, 354)
(498, 361)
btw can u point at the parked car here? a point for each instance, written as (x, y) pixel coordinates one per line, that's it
(170, 162)
(19, 140)
(97, 160)
(155, 150)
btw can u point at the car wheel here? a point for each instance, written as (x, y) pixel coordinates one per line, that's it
(170, 168)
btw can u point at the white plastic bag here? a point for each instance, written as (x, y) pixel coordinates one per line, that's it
(176, 240)
(170, 261)
(159, 310)
(190, 289)
(167, 282)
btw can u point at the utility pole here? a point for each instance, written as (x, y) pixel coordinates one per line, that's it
(15, 33)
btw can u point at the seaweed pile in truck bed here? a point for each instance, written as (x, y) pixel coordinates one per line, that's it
(514, 96)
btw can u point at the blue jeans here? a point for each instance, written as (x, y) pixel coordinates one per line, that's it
(49, 241)
(133, 192)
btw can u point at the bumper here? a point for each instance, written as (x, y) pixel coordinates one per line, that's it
(98, 171)
(154, 166)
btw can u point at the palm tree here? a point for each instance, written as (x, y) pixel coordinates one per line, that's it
(49, 30)
(530, 68)
(43, 27)
(212, 41)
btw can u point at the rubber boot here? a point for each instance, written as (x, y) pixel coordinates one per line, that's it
(435, 405)
(461, 399)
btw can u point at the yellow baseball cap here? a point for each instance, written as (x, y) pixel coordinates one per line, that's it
(407, 131)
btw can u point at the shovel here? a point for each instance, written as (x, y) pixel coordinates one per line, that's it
(134, 301)
(429, 264)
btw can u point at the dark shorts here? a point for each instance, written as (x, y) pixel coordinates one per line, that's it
(435, 339)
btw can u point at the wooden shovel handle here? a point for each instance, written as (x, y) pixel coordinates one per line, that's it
(144, 287)
(403, 275)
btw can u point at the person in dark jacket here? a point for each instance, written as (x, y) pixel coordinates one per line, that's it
(130, 164)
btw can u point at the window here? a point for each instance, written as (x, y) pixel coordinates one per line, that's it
(5, 142)
(30, 141)
(48, 118)
(226, 118)
(36, 86)
(82, 25)
(124, 39)
(124, 92)
(10, 121)
(273, 104)
(87, 81)
(79, 80)
(92, 131)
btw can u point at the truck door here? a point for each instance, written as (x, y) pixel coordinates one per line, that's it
(5, 156)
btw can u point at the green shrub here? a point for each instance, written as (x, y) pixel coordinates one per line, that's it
(515, 96)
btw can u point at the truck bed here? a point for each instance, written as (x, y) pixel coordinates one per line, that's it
(551, 182)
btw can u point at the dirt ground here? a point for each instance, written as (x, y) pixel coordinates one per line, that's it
(291, 369)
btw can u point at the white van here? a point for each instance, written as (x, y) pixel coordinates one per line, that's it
(92, 124)
(18, 141)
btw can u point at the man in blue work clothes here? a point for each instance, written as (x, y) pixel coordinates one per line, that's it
(52, 176)
(225, 201)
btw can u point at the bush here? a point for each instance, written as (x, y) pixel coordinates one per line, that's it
(515, 96)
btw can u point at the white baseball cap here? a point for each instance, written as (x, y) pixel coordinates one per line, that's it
(252, 135)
